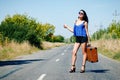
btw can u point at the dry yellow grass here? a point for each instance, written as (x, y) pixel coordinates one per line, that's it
(113, 45)
(13, 49)
(48, 45)
(110, 48)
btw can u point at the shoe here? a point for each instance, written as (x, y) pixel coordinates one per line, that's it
(82, 70)
(73, 69)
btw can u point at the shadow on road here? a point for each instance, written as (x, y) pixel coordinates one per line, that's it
(18, 62)
(99, 71)
(9, 73)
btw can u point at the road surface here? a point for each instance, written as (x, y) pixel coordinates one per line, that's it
(54, 64)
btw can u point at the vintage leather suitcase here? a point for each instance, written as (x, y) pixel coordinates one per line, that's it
(92, 55)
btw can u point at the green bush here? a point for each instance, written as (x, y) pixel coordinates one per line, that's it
(112, 32)
(58, 38)
(1, 39)
(72, 39)
(34, 40)
(21, 28)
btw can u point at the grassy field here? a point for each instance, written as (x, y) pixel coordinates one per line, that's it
(109, 48)
(13, 49)
(48, 45)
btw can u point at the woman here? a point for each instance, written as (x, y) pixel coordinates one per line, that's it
(82, 36)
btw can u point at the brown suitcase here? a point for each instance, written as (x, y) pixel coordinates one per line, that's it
(92, 55)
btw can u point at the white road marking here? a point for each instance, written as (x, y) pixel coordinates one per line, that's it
(62, 54)
(65, 50)
(57, 60)
(41, 77)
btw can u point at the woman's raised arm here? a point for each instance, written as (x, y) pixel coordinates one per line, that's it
(67, 27)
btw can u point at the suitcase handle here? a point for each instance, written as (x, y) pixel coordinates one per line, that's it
(89, 43)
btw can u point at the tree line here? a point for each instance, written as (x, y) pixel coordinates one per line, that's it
(22, 28)
(111, 32)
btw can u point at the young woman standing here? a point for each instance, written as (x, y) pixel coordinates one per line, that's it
(82, 36)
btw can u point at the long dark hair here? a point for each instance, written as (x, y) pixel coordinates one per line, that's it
(85, 16)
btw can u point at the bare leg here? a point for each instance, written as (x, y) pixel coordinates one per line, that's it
(83, 46)
(74, 54)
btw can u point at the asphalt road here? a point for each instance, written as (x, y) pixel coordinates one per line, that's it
(54, 64)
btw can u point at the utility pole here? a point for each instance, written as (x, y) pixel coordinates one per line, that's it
(115, 14)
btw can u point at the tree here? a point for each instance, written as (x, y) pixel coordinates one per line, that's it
(21, 28)
(15, 27)
(72, 39)
(113, 31)
(58, 38)
(45, 31)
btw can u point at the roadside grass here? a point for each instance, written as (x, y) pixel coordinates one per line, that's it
(109, 48)
(12, 50)
(48, 45)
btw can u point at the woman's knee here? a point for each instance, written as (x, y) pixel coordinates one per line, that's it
(84, 52)
(74, 52)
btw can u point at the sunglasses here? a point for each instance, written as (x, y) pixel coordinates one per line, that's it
(81, 13)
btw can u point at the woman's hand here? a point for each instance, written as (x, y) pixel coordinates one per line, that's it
(65, 26)
(88, 39)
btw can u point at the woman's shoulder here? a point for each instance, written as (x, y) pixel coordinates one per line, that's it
(85, 22)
